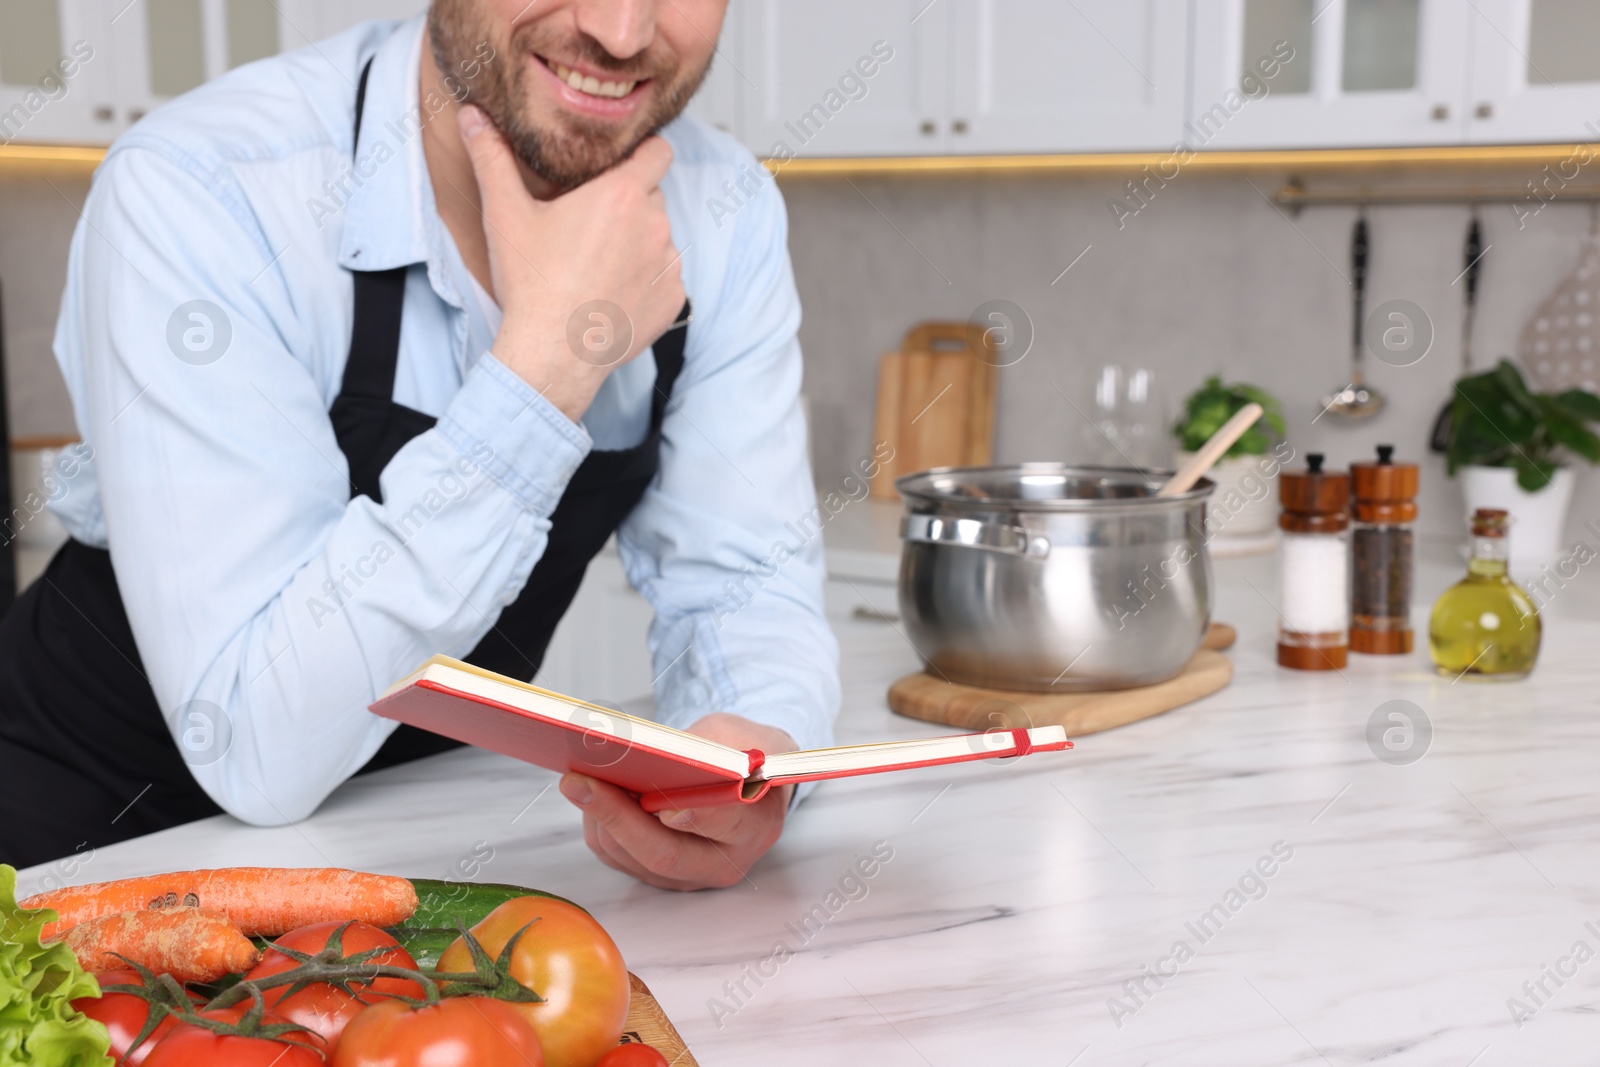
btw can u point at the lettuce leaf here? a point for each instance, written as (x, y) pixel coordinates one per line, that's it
(38, 1025)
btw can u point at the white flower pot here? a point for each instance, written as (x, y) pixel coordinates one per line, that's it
(1245, 503)
(1537, 519)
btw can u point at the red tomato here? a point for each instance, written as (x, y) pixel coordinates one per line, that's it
(124, 1015)
(633, 1056)
(569, 960)
(195, 1046)
(460, 1032)
(321, 1007)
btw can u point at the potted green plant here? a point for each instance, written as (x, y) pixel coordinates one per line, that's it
(1245, 503)
(1512, 448)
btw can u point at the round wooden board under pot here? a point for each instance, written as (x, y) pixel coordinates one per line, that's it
(927, 697)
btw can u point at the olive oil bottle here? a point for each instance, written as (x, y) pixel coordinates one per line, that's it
(1485, 626)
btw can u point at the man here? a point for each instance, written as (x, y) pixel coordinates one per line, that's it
(372, 346)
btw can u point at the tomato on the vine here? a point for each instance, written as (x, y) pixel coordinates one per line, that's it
(123, 1015)
(475, 1031)
(187, 1045)
(633, 1055)
(568, 959)
(320, 1006)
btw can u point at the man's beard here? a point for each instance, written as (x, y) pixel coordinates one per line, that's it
(580, 148)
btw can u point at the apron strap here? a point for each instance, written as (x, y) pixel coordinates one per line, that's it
(379, 307)
(380, 297)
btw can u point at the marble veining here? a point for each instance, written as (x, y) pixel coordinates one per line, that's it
(1029, 910)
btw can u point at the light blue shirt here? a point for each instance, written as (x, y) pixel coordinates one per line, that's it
(251, 578)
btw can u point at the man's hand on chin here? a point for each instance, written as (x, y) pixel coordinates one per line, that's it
(696, 848)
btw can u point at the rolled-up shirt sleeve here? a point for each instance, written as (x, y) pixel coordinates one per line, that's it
(262, 596)
(726, 544)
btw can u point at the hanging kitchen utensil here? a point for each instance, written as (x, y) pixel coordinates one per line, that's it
(1474, 257)
(1560, 347)
(1203, 460)
(1358, 400)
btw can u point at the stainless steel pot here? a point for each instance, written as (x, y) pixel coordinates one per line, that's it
(1049, 578)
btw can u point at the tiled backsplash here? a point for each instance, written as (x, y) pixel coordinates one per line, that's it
(1207, 276)
(39, 206)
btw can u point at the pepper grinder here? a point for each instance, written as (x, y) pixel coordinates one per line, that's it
(1314, 568)
(1383, 548)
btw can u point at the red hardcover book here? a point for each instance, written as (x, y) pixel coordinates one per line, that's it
(665, 768)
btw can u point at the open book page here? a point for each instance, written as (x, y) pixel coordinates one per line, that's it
(558, 732)
(629, 730)
(886, 755)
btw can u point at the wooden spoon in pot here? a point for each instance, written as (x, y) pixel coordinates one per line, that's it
(1211, 451)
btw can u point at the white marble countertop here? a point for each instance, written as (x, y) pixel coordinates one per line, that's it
(1022, 898)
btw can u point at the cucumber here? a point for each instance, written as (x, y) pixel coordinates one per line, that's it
(425, 943)
(442, 907)
(444, 904)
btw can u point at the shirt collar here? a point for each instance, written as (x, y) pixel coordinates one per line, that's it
(390, 211)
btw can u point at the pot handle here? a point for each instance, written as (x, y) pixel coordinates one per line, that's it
(990, 536)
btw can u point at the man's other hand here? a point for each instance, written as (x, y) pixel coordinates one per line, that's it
(692, 848)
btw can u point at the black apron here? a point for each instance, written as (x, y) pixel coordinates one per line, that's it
(86, 758)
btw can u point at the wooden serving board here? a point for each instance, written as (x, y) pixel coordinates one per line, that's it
(923, 696)
(648, 1025)
(935, 404)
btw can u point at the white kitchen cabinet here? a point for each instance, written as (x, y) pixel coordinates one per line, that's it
(843, 78)
(718, 100)
(1349, 73)
(962, 76)
(124, 57)
(164, 48)
(338, 15)
(1535, 71)
(846, 599)
(1046, 76)
(927, 77)
(55, 72)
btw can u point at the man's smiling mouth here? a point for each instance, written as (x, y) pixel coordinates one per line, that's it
(588, 83)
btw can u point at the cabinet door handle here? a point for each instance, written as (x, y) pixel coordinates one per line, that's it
(958, 126)
(1441, 112)
(104, 113)
(1484, 110)
(929, 127)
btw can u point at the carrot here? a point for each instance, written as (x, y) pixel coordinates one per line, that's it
(259, 900)
(190, 944)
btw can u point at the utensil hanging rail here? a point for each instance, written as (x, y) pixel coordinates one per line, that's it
(1296, 197)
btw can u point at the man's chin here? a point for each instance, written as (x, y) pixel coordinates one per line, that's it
(576, 154)
(567, 148)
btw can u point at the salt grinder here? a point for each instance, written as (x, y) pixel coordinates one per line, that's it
(1314, 575)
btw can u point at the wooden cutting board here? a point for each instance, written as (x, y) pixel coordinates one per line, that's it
(931, 699)
(935, 401)
(648, 1025)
